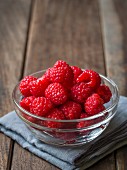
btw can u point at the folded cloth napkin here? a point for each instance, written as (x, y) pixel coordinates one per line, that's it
(68, 158)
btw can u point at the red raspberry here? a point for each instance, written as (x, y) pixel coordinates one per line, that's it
(47, 73)
(91, 78)
(104, 92)
(99, 119)
(30, 118)
(80, 92)
(41, 106)
(25, 85)
(94, 105)
(69, 137)
(26, 102)
(56, 93)
(70, 125)
(71, 110)
(41, 123)
(57, 115)
(85, 123)
(77, 71)
(62, 73)
(37, 88)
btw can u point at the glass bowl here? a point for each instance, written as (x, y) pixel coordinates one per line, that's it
(69, 135)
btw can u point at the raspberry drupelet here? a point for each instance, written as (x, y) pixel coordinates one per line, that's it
(56, 93)
(104, 92)
(41, 106)
(94, 105)
(25, 85)
(57, 115)
(71, 110)
(84, 123)
(62, 73)
(91, 78)
(80, 92)
(37, 87)
(77, 71)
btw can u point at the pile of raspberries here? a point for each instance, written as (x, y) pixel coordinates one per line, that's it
(64, 92)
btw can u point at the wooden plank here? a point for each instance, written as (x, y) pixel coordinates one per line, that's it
(65, 30)
(68, 30)
(24, 160)
(107, 163)
(121, 158)
(114, 15)
(13, 30)
(114, 35)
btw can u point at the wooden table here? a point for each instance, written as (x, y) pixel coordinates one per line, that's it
(34, 34)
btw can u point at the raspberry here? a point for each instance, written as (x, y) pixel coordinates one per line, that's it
(80, 92)
(62, 73)
(90, 77)
(56, 93)
(69, 137)
(57, 115)
(41, 106)
(70, 125)
(85, 123)
(77, 71)
(104, 92)
(99, 119)
(94, 104)
(25, 85)
(26, 102)
(37, 88)
(41, 122)
(30, 118)
(47, 73)
(71, 110)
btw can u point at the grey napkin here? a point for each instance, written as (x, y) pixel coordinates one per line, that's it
(68, 158)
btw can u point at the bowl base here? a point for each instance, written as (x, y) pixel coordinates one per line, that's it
(66, 139)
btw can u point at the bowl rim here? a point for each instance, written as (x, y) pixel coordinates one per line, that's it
(116, 100)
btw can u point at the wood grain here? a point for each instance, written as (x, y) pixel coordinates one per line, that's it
(114, 15)
(107, 163)
(65, 30)
(24, 160)
(13, 31)
(114, 26)
(68, 30)
(121, 158)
